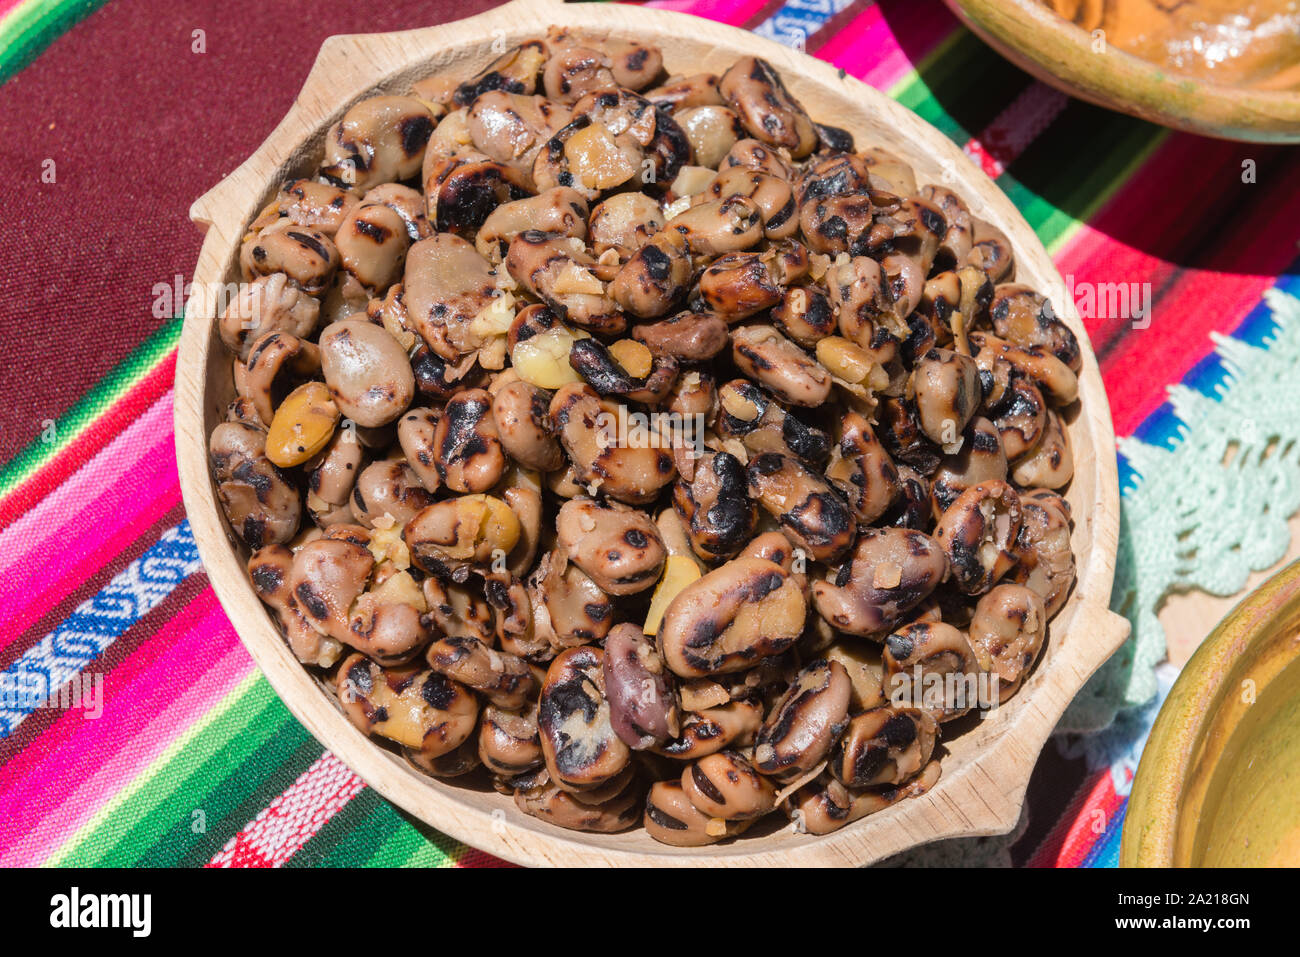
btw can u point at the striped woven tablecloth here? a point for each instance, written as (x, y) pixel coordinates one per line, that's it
(116, 115)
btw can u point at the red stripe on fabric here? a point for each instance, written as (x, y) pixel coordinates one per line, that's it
(474, 858)
(1077, 831)
(105, 427)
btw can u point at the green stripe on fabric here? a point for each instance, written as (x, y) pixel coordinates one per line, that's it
(352, 837)
(31, 27)
(142, 360)
(415, 844)
(941, 92)
(237, 722)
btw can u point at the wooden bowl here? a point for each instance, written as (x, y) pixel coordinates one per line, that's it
(1219, 780)
(1061, 54)
(984, 776)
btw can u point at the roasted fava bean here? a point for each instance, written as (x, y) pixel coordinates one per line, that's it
(268, 570)
(773, 195)
(603, 370)
(418, 709)
(463, 190)
(317, 205)
(826, 805)
(449, 537)
(547, 802)
(1006, 633)
(709, 731)
(755, 91)
(946, 388)
(920, 662)
(499, 676)
(691, 336)
(671, 818)
(719, 227)
(716, 507)
(805, 315)
(578, 611)
(624, 223)
(510, 128)
(372, 242)
(469, 453)
(515, 71)
(981, 458)
(642, 705)
(740, 284)
(633, 471)
(507, 741)
(523, 426)
(685, 92)
(416, 432)
(560, 212)
(618, 547)
(1050, 464)
(274, 362)
(578, 742)
(388, 487)
(1045, 561)
(726, 621)
(891, 572)
(978, 534)
(379, 140)
(866, 671)
(805, 723)
(862, 470)
(558, 272)
(1025, 318)
(367, 372)
(992, 252)
(446, 284)
(712, 131)
(656, 275)
(1049, 373)
(307, 256)
(884, 746)
(267, 304)
(808, 508)
(260, 504)
(725, 785)
(778, 364)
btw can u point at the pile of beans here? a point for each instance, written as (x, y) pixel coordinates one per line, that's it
(628, 436)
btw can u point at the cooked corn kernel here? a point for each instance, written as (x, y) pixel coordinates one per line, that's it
(302, 426)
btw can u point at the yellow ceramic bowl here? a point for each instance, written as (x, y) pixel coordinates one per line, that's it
(1063, 55)
(1219, 781)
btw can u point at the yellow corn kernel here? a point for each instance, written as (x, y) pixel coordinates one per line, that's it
(302, 426)
(543, 360)
(634, 357)
(679, 571)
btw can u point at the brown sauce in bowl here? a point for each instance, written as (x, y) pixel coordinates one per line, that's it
(1248, 43)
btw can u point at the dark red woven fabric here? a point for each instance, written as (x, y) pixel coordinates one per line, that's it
(138, 127)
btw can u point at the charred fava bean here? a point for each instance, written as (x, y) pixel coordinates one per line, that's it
(808, 507)
(448, 537)
(1045, 562)
(1024, 317)
(778, 364)
(545, 801)
(379, 140)
(691, 336)
(671, 818)
(421, 710)
(754, 90)
(523, 426)
(750, 414)
(389, 487)
(931, 666)
(739, 285)
(500, 677)
(619, 547)
(367, 372)
(978, 534)
(508, 743)
(884, 746)
(711, 730)
(946, 388)
(720, 517)
(805, 723)
(862, 470)
(1050, 463)
(656, 275)
(892, 570)
(725, 785)
(642, 706)
(578, 742)
(1006, 633)
(726, 621)
(469, 454)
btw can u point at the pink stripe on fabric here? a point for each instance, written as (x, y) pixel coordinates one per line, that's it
(79, 518)
(282, 828)
(724, 11)
(180, 673)
(869, 45)
(7, 7)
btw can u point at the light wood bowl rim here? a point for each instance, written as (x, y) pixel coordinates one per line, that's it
(983, 796)
(1059, 53)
